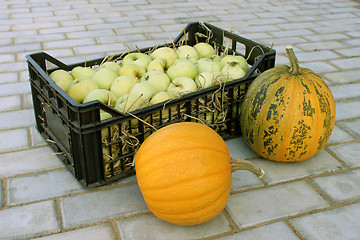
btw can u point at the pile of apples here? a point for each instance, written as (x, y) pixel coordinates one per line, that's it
(142, 79)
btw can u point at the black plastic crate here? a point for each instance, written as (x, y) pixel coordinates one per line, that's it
(74, 130)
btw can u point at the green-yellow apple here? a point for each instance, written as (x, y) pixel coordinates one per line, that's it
(205, 50)
(80, 87)
(231, 71)
(62, 78)
(140, 59)
(187, 52)
(144, 89)
(129, 102)
(104, 115)
(166, 53)
(102, 95)
(161, 97)
(182, 68)
(132, 70)
(207, 65)
(215, 58)
(235, 58)
(158, 64)
(104, 77)
(122, 85)
(205, 79)
(182, 85)
(114, 154)
(111, 65)
(80, 71)
(158, 79)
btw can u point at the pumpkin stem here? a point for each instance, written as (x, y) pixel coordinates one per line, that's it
(294, 64)
(237, 164)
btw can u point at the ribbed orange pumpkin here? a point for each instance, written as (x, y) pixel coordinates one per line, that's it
(184, 173)
(288, 113)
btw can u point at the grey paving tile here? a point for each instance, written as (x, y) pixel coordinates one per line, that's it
(352, 126)
(342, 77)
(9, 77)
(36, 139)
(28, 221)
(274, 231)
(340, 187)
(338, 135)
(325, 37)
(117, 202)
(316, 56)
(347, 152)
(345, 91)
(17, 119)
(340, 223)
(1, 195)
(239, 148)
(103, 232)
(323, 45)
(41, 186)
(350, 52)
(13, 140)
(28, 161)
(318, 67)
(347, 63)
(242, 180)
(155, 228)
(347, 109)
(278, 172)
(253, 207)
(10, 103)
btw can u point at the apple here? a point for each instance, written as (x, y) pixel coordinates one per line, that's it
(158, 79)
(235, 58)
(122, 85)
(140, 59)
(215, 58)
(182, 68)
(206, 79)
(231, 71)
(209, 117)
(132, 70)
(104, 77)
(114, 154)
(102, 95)
(182, 85)
(80, 71)
(207, 65)
(205, 50)
(166, 53)
(81, 87)
(158, 64)
(129, 102)
(111, 65)
(62, 78)
(187, 52)
(144, 89)
(161, 97)
(104, 115)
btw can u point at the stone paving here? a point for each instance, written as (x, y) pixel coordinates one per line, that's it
(315, 199)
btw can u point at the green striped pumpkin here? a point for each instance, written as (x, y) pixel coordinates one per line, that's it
(288, 113)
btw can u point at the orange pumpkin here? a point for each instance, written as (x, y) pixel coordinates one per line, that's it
(184, 173)
(288, 113)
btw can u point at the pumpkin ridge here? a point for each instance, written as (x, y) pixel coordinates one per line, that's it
(209, 203)
(152, 172)
(160, 141)
(185, 147)
(191, 180)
